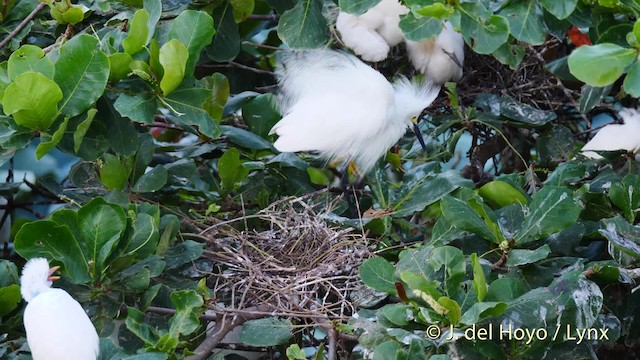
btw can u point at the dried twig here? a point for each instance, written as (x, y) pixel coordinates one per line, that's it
(22, 25)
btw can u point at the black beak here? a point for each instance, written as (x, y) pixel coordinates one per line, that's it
(454, 58)
(418, 133)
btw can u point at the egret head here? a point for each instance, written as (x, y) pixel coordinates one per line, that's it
(36, 278)
(411, 97)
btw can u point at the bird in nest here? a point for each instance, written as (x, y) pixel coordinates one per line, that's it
(57, 327)
(335, 104)
(372, 34)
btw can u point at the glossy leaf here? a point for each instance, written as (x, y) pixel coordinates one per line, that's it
(9, 299)
(82, 71)
(551, 210)
(115, 171)
(479, 281)
(49, 142)
(626, 195)
(266, 332)
(356, 7)
(30, 58)
(460, 214)
(560, 8)
(220, 90)
(260, 114)
(47, 239)
(525, 21)
(518, 257)
(189, 104)
(138, 107)
(226, 41)
(632, 80)
(231, 170)
(601, 64)
(152, 181)
(32, 99)
(378, 274)
(419, 29)
(186, 320)
(304, 26)
(138, 32)
(173, 57)
(194, 29)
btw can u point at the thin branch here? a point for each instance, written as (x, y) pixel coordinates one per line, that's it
(22, 24)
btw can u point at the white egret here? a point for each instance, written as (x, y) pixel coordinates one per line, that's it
(372, 34)
(616, 136)
(57, 326)
(441, 57)
(335, 104)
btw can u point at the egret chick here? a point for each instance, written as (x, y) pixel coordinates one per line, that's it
(616, 136)
(372, 34)
(441, 57)
(335, 104)
(57, 326)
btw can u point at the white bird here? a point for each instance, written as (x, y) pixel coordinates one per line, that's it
(440, 58)
(337, 105)
(57, 326)
(372, 34)
(616, 136)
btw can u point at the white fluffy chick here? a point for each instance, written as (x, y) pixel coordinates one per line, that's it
(440, 58)
(616, 136)
(372, 34)
(57, 326)
(337, 105)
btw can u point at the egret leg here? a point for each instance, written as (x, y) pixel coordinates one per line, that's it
(348, 190)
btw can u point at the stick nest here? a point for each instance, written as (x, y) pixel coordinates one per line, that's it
(297, 263)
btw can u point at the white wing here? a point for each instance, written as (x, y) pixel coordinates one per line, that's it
(59, 329)
(616, 136)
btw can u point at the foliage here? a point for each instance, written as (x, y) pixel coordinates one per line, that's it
(164, 146)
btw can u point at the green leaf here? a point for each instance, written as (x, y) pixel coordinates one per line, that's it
(624, 195)
(479, 281)
(420, 283)
(47, 239)
(186, 319)
(488, 32)
(420, 29)
(266, 332)
(295, 353)
(82, 128)
(9, 299)
(30, 58)
(454, 313)
(481, 310)
(623, 237)
(152, 181)
(230, 169)
(244, 138)
(551, 210)
(173, 57)
(183, 253)
(138, 32)
(189, 104)
(71, 15)
(525, 21)
(144, 237)
(601, 64)
(226, 42)
(505, 289)
(138, 107)
(398, 314)
(32, 101)
(195, 30)
(119, 66)
(356, 7)
(461, 215)
(591, 96)
(632, 80)
(154, 9)
(101, 225)
(499, 194)
(219, 85)
(519, 257)
(137, 324)
(561, 9)
(115, 171)
(387, 350)
(242, 9)
(379, 274)
(454, 266)
(304, 26)
(260, 114)
(47, 143)
(421, 188)
(82, 72)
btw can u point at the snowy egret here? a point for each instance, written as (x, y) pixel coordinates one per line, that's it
(372, 34)
(616, 136)
(440, 58)
(337, 105)
(57, 326)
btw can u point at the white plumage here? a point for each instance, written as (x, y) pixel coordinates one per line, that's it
(616, 136)
(57, 326)
(440, 58)
(335, 104)
(373, 33)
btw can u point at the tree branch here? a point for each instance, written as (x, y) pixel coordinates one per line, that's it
(22, 24)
